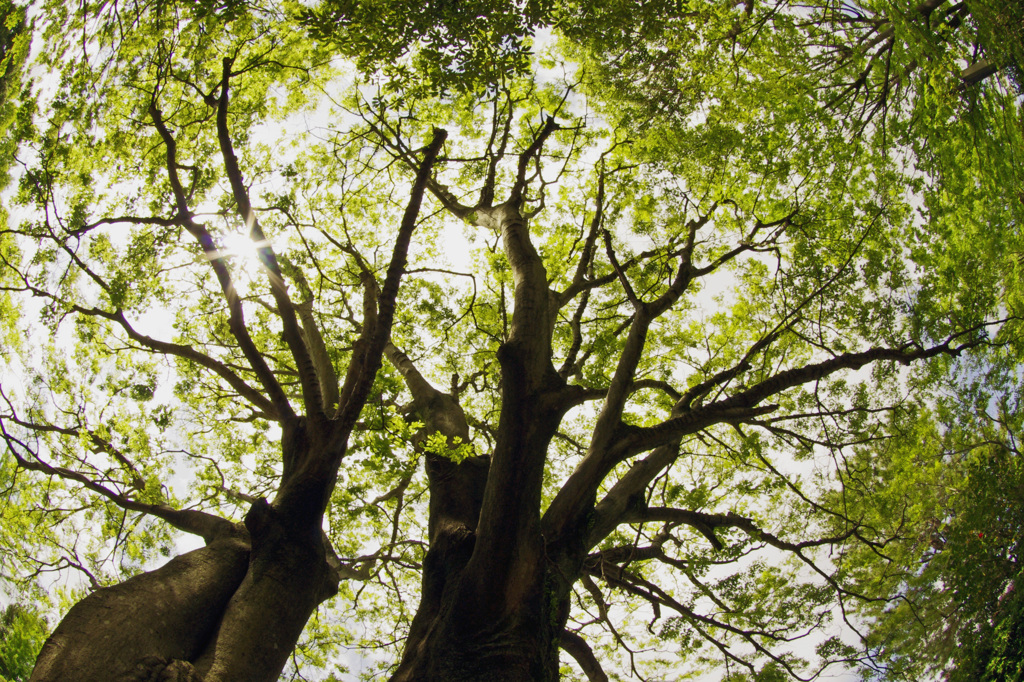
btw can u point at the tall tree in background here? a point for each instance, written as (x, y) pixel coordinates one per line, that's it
(642, 415)
(959, 613)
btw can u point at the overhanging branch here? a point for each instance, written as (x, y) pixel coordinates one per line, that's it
(207, 526)
(743, 406)
(577, 647)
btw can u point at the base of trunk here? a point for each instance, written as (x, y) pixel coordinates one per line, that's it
(488, 657)
(460, 644)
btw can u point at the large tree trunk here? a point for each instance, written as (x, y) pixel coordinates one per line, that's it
(133, 629)
(288, 577)
(459, 633)
(491, 609)
(229, 612)
(470, 625)
(464, 642)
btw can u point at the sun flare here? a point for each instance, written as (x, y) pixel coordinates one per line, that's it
(238, 245)
(240, 248)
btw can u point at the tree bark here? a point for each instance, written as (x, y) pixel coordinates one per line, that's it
(287, 578)
(134, 628)
(490, 608)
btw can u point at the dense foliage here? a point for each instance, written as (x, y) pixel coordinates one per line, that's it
(22, 631)
(763, 262)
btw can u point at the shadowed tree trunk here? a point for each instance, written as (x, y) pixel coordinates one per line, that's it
(487, 609)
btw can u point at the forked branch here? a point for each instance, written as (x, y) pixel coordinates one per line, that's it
(308, 380)
(236, 318)
(744, 405)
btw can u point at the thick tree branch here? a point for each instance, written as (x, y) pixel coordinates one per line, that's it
(422, 391)
(586, 285)
(533, 400)
(206, 526)
(367, 357)
(314, 340)
(705, 524)
(456, 489)
(576, 325)
(355, 366)
(977, 72)
(564, 516)
(619, 500)
(744, 405)
(577, 647)
(189, 353)
(327, 378)
(516, 195)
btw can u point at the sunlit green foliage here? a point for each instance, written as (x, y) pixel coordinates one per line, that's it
(946, 488)
(838, 216)
(22, 631)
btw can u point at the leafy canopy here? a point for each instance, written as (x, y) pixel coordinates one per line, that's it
(835, 182)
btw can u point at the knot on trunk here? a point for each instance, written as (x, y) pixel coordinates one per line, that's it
(157, 669)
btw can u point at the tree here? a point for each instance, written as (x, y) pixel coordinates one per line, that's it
(954, 471)
(624, 400)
